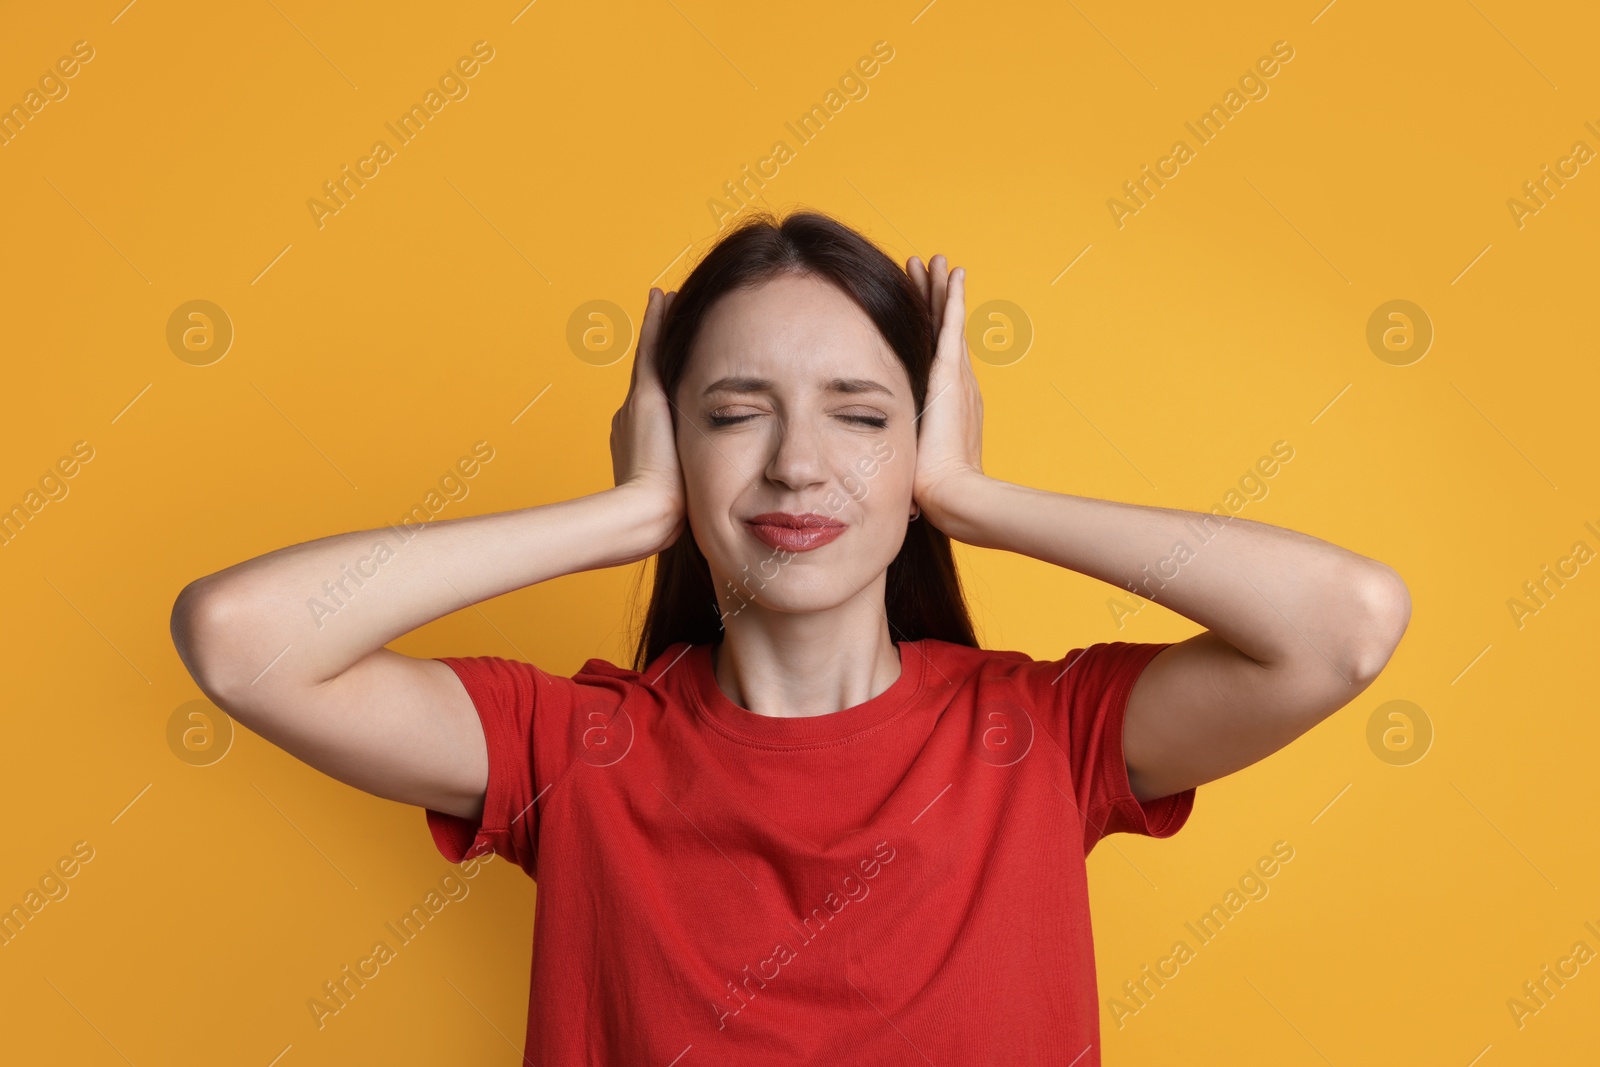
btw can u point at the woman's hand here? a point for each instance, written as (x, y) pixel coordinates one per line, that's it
(950, 437)
(644, 448)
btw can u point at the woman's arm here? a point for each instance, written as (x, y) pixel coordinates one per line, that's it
(1276, 596)
(322, 687)
(295, 618)
(291, 643)
(1296, 627)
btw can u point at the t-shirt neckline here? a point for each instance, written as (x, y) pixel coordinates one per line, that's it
(753, 728)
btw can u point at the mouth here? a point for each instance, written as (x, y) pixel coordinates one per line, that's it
(794, 533)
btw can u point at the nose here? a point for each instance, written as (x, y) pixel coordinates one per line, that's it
(797, 460)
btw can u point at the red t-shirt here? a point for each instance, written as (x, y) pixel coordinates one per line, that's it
(896, 883)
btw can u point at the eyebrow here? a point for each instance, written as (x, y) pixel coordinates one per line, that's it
(765, 385)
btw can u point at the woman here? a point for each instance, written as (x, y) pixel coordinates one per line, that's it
(813, 822)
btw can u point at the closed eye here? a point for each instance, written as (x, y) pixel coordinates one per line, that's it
(876, 421)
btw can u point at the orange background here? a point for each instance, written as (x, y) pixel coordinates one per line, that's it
(371, 352)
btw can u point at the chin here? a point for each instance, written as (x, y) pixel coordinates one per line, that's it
(790, 589)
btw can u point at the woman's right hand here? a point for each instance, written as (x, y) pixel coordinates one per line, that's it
(644, 448)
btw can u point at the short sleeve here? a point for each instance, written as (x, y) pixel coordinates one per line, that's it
(1084, 697)
(507, 694)
(537, 727)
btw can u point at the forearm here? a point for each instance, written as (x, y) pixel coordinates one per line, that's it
(309, 611)
(1274, 594)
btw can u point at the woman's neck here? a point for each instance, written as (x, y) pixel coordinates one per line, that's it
(800, 666)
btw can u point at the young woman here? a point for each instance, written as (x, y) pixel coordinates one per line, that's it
(813, 822)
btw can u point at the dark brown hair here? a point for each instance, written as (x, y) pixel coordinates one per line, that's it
(923, 592)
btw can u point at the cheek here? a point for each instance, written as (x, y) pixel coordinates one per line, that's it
(888, 471)
(711, 482)
(718, 456)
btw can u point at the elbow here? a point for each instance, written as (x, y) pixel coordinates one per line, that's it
(183, 624)
(1385, 612)
(197, 620)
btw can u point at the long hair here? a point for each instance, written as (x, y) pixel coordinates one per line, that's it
(923, 595)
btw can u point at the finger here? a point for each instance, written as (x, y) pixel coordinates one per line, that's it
(644, 330)
(955, 310)
(644, 353)
(939, 270)
(919, 276)
(633, 368)
(655, 342)
(955, 304)
(653, 349)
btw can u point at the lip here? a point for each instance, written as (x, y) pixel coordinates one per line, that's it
(794, 533)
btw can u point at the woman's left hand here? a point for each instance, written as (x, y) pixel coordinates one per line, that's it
(950, 436)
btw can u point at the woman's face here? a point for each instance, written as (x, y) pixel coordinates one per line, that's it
(792, 402)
